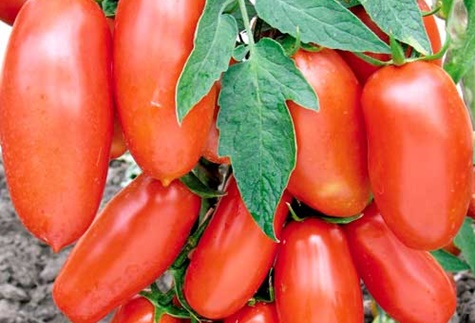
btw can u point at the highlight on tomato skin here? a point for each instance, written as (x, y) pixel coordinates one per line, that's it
(409, 284)
(260, 312)
(140, 310)
(135, 238)
(363, 70)
(419, 152)
(232, 259)
(315, 279)
(331, 173)
(148, 60)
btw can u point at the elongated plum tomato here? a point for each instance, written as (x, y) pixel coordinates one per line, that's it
(140, 310)
(364, 70)
(151, 45)
(315, 280)
(331, 172)
(232, 258)
(408, 284)
(56, 116)
(9, 10)
(419, 152)
(130, 244)
(258, 313)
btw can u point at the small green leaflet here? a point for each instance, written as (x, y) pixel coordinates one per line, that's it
(402, 19)
(324, 22)
(462, 49)
(449, 262)
(214, 43)
(465, 241)
(109, 7)
(256, 129)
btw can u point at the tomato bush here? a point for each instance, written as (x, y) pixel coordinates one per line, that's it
(412, 112)
(132, 242)
(55, 161)
(295, 132)
(407, 283)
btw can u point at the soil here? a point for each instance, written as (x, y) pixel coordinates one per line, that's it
(28, 267)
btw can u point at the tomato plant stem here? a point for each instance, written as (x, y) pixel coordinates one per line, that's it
(247, 25)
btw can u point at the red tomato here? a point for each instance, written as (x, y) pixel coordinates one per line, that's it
(151, 45)
(407, 283)
(232, 259)
(9, 10)
(331, 173)
(118, 146)
(314, 277)
(364, 70)
(56, 116)
(210, 151)
(258, 313)
(471, 205)
(419, 152)
(130, 244)
(140, 310)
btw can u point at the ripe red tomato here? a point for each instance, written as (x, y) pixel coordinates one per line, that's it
(471, 205)
(258, 313)
(419, 152)
(232, 259)
(151, 45)
(364, 70)
(130, 244)
(9, 10)
(56, 116)
(331, 173)
(140, 310)
(210, 152)
(315, 279)
(408, 284)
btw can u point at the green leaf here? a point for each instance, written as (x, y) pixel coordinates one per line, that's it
(349, 3)
(345, 220)
(402, 19)
(251, 11)
(461, 55)
(198, 187)
(449, 262)
(109, 7)
(256, 129)
(324, 22)
(465, 241)
(214, 43)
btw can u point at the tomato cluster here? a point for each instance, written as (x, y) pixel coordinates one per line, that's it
(78, 89)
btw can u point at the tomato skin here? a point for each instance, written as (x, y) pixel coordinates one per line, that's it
(331, 172)
(9, 10)
(210, 152)
(233, 255)
(364, 70)
(145, 46)
(471, 205)
(419, 152)
(140, 310)
(258, 313)
(314, 276)
(408, 284)
(130, 244)
(56, 116)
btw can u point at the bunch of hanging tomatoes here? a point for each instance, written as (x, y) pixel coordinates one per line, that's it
(76, 93)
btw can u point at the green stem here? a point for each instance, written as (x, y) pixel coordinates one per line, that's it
(371, 60)
(432, 12)
(399, 58)
(294, 215)
(247, 25)
(468, 91)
